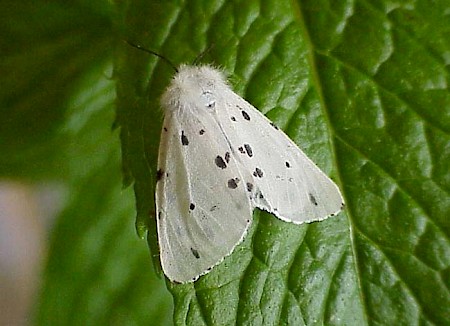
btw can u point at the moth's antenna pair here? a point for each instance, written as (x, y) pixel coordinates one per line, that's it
(196, 60)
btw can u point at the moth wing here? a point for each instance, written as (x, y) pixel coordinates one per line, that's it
(287, 183)
(203, 207)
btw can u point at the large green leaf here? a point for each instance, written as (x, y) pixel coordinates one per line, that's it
(363, 89)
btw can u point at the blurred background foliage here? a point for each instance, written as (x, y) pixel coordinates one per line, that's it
(57, 131)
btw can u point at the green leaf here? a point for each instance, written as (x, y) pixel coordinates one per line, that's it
(363, 89)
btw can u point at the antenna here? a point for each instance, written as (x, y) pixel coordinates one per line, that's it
(202, 54)
(139, 47)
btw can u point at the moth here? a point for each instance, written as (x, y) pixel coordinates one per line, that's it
(219, 159)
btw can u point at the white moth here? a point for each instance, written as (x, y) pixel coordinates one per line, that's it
(219, 158)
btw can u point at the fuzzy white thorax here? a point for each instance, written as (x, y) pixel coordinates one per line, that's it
(192, 86)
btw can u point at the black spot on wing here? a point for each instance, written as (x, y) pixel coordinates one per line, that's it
(195, 253)
(202, 131)
(288, 165)
(313, 200)
(233, 183)
(220, 162)
(246, 149)
(249, 187)
(233, 119)
(258, 173)
(184, 139)
(213, 208)
(192, 206)
(245, 115)
(227, 157)
(249, 150)
(165, 129)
